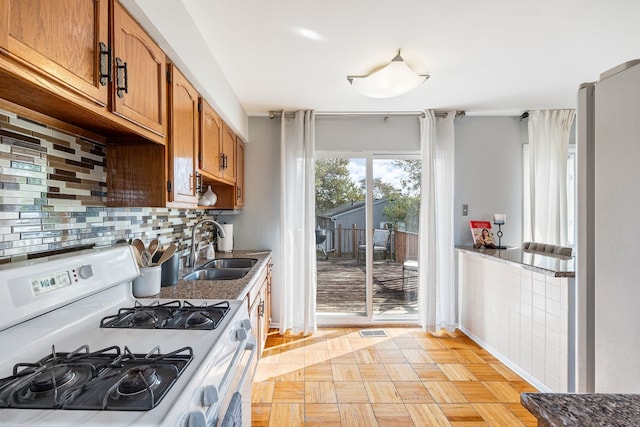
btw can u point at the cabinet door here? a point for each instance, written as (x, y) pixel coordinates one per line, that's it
(210, 140)
(228, 154)
(139, 92)
(61, 39)
(239, 173)
(183, 141)
(265, 296)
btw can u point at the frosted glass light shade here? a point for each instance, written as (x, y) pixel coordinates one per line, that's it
(395, 79)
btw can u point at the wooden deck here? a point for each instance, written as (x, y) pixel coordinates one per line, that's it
(341, 288)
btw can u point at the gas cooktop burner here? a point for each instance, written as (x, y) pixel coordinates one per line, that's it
(50, 378)
(108, 379)
(169, 315)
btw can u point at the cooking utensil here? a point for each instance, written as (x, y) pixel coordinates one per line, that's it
(167, 254)
(138, 244)
(153, 247)
(146, 258)
(136, 253)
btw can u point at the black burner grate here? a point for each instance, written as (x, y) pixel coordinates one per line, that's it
(169, 315)
(108, 379)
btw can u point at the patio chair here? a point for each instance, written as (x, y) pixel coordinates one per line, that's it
(321, 237)
(409, 265)
(380, 244)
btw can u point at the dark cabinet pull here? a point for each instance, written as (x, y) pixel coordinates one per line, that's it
(239, 193)
(223, 157)
(261, 309)
(122, 83)
(105, 64)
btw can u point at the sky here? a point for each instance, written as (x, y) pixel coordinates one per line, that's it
(382, 168)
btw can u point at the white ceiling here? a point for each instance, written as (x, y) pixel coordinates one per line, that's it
(492, 57)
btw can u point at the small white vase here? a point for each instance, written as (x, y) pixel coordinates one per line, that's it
(209, 198)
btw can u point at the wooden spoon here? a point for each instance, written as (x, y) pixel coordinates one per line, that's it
(136, 253)
(153, 247)
(168, 253)
(138, 244)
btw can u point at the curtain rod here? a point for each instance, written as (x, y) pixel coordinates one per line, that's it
(290, 114)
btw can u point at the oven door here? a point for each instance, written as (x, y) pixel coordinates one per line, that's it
(220, 407)
(235, 410)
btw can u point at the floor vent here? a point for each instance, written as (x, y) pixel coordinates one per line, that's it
(366, 333)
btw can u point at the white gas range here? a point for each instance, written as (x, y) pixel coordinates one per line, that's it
(76, 348)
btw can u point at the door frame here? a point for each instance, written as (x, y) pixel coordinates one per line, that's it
(328, 319)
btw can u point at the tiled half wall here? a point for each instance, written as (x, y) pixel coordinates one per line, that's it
(53, 196)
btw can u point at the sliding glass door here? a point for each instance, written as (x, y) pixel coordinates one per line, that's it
(367, 237)
(395, 210)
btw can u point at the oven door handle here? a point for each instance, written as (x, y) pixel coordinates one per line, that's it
(248, 343)
(251, 344)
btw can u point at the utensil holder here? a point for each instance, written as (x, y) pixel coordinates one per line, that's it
(170, 269)
(148, 282)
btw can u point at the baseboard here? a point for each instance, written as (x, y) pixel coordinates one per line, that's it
(508, 363)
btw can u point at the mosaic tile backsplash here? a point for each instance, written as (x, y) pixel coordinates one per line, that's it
(53, 196)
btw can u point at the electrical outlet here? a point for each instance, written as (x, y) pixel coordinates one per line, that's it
(465, 210)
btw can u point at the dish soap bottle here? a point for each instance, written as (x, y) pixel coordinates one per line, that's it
(211, 254)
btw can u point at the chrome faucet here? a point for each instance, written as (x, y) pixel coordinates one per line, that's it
(193, 255)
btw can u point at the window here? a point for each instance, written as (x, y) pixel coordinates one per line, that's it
(571, 194)
(571, 197)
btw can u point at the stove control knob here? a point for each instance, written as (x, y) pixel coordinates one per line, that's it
(197, 419)
(241, 334)
(209, 395)
(246, 324)
(85, 271)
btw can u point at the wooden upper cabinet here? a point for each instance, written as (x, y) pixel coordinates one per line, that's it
(60, 39)
(183, 140)
(139, 79)
(210, 141)
(228, 155)
(239, 174)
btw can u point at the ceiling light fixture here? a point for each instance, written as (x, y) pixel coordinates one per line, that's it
(394, 79)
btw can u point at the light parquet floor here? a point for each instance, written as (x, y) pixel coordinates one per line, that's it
(409, 378)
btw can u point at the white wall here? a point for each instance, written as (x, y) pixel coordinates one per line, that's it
(258, 225)
(488, 174)
(487, 140)
(379, 133)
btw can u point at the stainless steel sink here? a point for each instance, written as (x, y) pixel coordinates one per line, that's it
(231, 263)
(217, 274)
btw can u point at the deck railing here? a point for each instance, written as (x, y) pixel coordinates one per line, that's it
(342, 242)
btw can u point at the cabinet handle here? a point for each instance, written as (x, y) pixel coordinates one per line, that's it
(105, 64)
(122, 79)
(239, 193)
(261, 309)
(224, 161)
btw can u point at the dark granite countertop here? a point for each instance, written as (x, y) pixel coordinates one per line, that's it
(218, 289)
(551, 265)
(584, 410)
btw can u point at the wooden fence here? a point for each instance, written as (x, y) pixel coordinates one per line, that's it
(343, 243)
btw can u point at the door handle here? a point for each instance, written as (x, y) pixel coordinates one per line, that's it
(122, 78)
(105, 64)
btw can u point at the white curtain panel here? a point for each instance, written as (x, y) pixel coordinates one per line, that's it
(436, 283)
(297, 222)
(546, 218)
